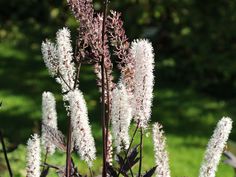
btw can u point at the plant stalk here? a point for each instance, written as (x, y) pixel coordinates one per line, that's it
(130, 144)
(64, 81)
(130, 169)
(78, 66)
(141, 152)
(5, 154)
(91, 172)
(104, 128)
(50, 166)
(68, 149)
(45, 158)
(107, 108)
(103, 121)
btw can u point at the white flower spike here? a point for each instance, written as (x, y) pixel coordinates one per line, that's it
(120, 117)
(50, 57)
(49, 118)
(33, 157)
(142, 52)
(81, 131)
(161, 155)
(65, 55)
(215, 148)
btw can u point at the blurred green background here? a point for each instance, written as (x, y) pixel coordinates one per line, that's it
(195, 85)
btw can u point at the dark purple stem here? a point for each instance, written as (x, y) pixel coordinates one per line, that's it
(104, 128)
(130, 144)
(5, 154)
(141, 152)
(68, 149)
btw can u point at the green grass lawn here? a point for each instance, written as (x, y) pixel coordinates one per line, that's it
(188, 117)
(185, 158)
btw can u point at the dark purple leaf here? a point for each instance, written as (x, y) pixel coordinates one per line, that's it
(120, 160)
(134, 153)
(131, 160)
(111, 171)
(44, 173)
(231, 159)
(150, 172)
(129, 164)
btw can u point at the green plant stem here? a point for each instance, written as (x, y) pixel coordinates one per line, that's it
(141, 152)
(50, 166)
(5, 155)
(45, 158)
(91, 172)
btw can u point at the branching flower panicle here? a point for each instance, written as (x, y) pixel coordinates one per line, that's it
(84, 12)
(142, 52)
(215, 148)
(33, 157)
(98, 51)
(119, 41)
(161, 155)
(81, 130)
(49, 118)
(120, 117)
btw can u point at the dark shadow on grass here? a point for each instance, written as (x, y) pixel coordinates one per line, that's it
(186, 112)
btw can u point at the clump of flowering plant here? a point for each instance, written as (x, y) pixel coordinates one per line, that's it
(101, 35)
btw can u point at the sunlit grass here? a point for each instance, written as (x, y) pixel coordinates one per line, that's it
(185, 153)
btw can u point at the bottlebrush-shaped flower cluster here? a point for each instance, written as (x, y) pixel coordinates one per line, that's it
(102, 43)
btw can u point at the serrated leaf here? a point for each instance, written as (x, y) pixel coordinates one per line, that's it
(55, 136)
(150, 172)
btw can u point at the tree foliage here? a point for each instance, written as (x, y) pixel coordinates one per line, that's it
(194, 40)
